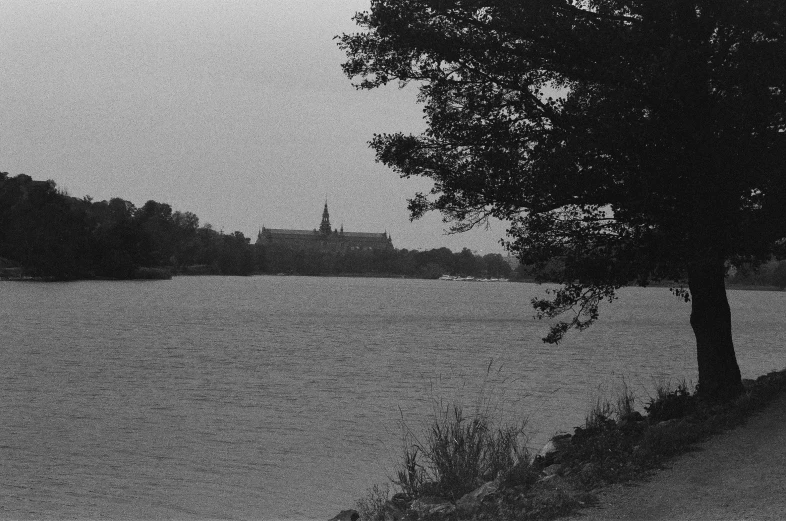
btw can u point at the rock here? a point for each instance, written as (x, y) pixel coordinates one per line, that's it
(346, 515)
(472, 500)
(427, 506)
(634, 416)
(392, 512)
(639, 453)
(630, 421)
(467, 503)
(553, 448)
(667, 423)
(553, 469)
(401, 500)
(627, 426)
(588, 471)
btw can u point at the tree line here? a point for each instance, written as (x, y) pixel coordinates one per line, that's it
(51, 235)
(428, 264)
(54, 236)
(769, 274)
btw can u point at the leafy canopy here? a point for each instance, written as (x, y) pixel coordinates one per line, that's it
(625, 139)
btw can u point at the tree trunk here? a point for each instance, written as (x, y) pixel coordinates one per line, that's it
(719, 374)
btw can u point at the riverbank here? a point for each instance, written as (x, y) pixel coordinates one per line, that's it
(739, 474)
(596, 472)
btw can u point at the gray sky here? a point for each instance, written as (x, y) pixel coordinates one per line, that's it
(235, 110)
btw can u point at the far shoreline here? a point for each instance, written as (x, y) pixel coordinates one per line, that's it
(736, 287)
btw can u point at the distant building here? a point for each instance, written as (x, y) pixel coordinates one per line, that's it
(324, 238)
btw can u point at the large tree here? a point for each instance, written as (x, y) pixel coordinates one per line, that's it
(625, 141)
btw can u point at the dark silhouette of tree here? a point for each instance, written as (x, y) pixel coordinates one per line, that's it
(440, 261)
(46, 232)
(157, 231)
(186, 241)
(466, 264)
(55, 236)
(115, 238)
(632, 140)
(496, 266)
(235, 257)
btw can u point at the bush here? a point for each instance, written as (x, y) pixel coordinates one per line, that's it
(600, 417)
(669, 405)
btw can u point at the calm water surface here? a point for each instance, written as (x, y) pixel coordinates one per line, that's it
(280, 397)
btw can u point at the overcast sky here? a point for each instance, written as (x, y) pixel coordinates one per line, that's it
(235, 110)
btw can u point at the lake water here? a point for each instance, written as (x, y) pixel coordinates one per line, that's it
(280, 397)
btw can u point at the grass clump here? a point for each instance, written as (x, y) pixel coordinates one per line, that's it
(372, 506)
(460, 453)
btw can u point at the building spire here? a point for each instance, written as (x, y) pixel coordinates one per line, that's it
(324, 227)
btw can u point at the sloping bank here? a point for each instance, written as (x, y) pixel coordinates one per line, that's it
(734, 476)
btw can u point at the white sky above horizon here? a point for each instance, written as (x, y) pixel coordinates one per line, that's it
(237, 111)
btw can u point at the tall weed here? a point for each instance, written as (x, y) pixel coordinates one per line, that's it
(457, 450)
(625, 402)
(459, 453)
(372, 506)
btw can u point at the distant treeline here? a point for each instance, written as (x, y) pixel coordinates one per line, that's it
(429, 264)
(52, 235)
(772, 273)
(45, 233)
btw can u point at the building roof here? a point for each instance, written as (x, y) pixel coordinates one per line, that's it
(354, 235)
(282, 231)
(364, 235)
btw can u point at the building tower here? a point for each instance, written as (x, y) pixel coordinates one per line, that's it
(324, 227)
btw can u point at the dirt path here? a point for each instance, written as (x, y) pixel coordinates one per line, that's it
(737, 475)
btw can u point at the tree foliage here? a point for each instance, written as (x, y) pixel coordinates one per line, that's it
(54, 236)
(632, 140)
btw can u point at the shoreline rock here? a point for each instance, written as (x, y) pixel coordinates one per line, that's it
(346, 515)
